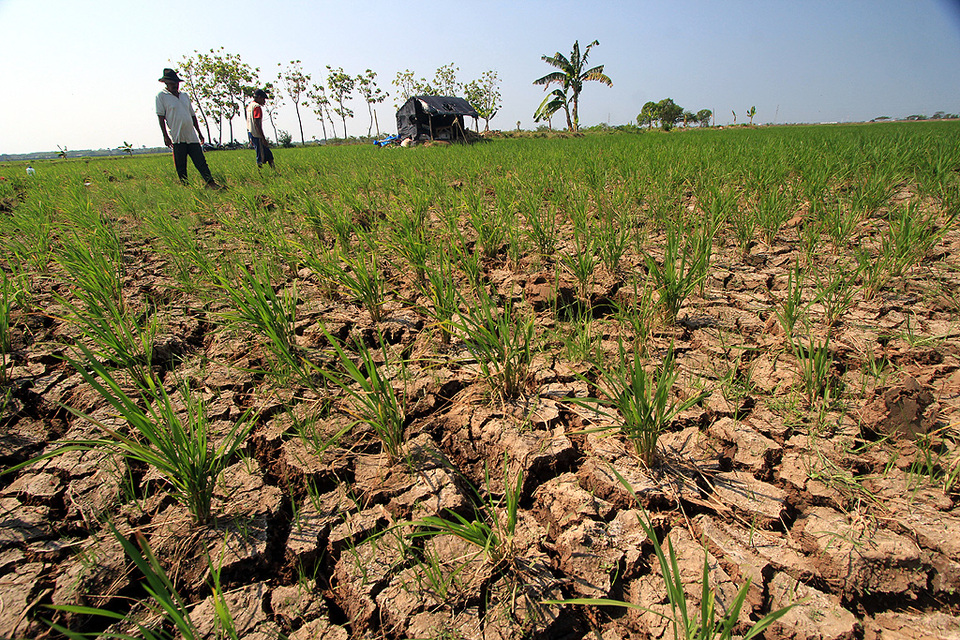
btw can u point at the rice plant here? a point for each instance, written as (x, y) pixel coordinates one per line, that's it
(875, 270)
(489, 225)
(362, 277)
(774, 208)
(256, 305)
(98, 309)
(836, 291)
(911, 234)
(873, 191)
(493, 527)
(178, 447)
(638, 312)
(792, 308)
(839, 222)
(815, 361)
(501, 342)
(29, 234)
(582, 260)
(469, 262)
(682, 271)
(374, 399)
(441, 289)
(193, 266)
(613, 238)
(640, 403)
(936, 459)
(409, 239)
(542, 227)
(95, 267)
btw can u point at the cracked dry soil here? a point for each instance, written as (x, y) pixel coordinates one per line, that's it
(830, 513)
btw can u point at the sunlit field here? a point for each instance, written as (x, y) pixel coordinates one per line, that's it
(623, 384)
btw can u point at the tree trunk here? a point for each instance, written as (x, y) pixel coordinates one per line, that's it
(333, 127)
(273, 124)
(203, 116)
(370, 111)
(377, 124)
(296, 107)
(576, 115)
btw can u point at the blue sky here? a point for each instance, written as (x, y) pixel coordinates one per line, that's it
(84, 74)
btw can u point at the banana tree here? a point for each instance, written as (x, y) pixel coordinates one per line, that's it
(555, 101)
(571, 76)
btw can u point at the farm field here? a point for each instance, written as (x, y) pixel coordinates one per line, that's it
(468, 391)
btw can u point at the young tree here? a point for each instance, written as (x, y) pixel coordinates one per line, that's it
(484, 96)
(321, 107)
(341, 86)
(197, 82)
(296, 83)
(233, 79)
(445, 81)
(688, 117)
(571, 76)
(703, 117)
(408, 86)
(372, 94)
(273, 104)
(751, 112)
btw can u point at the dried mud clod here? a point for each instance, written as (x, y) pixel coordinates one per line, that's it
(907, 410)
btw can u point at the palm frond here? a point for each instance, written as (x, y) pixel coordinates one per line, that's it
(597, 75)
(555, 76)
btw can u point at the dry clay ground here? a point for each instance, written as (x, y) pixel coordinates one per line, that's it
(827, 512)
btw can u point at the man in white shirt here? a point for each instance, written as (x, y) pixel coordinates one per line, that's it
(175, 111)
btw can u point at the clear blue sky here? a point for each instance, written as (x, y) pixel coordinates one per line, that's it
(84, 73)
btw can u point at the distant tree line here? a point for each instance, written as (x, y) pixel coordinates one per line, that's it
(667, 114)
(939, 115)
(220, 84)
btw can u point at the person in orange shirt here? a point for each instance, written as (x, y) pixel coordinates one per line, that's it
(258, 140)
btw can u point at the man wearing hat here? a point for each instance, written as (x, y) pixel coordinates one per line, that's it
(258, 140)
(175, 111)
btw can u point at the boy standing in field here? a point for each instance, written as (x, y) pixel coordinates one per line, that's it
(258, 140)
(175, 111)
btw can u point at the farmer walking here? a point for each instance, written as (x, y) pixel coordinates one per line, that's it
(258, 140)
(175, 111)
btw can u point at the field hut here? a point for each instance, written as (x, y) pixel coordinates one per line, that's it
(434, 118)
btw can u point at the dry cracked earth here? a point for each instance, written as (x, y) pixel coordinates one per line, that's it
(831, 510)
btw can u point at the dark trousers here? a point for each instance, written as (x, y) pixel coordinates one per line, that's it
(263, 151)
(180, 152)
